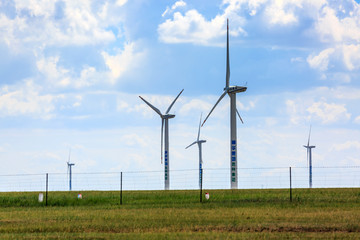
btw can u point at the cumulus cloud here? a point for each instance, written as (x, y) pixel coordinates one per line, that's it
(191, 28)
(351, 56)
(330, 27)
(58, 76)
(293, 111)
(320, 61)
(52, 72)
(337, 25)
(195, 105)
(282, 12)
(121, 2)
(194, 27)
(322, 105)
(329, 112)
(357, 120)
(177, 4)
(346, 145)
(38, 25)
(27, 100)
(122, 61)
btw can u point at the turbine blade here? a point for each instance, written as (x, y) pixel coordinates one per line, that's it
(191, 145)
(69, 155)
(162, 134)
(149, 104)
(167, 111)
(221, 97)
(199, 128)
(309, 136)
(239, 116)
(227, 57)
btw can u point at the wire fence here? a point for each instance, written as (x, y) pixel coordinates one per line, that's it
(248, 178)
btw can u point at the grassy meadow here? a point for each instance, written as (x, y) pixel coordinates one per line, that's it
(228, 214)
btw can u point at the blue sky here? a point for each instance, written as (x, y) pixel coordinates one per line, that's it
(71, 73)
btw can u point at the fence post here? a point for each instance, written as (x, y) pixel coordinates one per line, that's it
(121, 188)
(290, 187)
(46, 195)
(201, 182)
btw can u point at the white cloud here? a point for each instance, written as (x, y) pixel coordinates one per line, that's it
(331, 28)
(282, 12)
(121, 2)
(35, 7)
(322, 105)
(329, 112)
(37, 26)
(191, 28)
(122, 105)
(123, 61)
(357, 120)
(194, 27)
(320, 61)
(195, 105)
(52, 72)
(337, 25)
(40, 25)
(351, 56)
(177, 4)
(57, 76)
(27, 100)
(78, 101)
(136, 140)
(346, 145)
(293, 112)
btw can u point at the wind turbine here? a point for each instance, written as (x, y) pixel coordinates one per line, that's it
(69, 166)
(165, 123)
(309, 158)
(231, 91)
(199, 142)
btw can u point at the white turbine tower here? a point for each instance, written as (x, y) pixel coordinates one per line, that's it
(231, 91)
(69, 173)
(309, 158)
(164, 122)
(199, 142)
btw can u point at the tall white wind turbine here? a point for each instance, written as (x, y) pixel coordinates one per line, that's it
(69, 168)
(309, 158)
(164, 123)
(231, 91)
(199, 142)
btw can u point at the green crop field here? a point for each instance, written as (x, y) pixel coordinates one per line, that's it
(228, 214)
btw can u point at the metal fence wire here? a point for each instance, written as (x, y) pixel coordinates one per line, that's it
(248, 178)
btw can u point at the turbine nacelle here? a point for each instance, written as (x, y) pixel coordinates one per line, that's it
(167, 116)
(235, 89)
(309, 146)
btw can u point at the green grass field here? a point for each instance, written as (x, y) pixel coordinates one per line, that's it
(228, 214)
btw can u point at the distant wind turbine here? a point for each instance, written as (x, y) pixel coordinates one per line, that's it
(164, 122)
(69, 166)
(231, 91)
(199, 142)
(309, 158)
